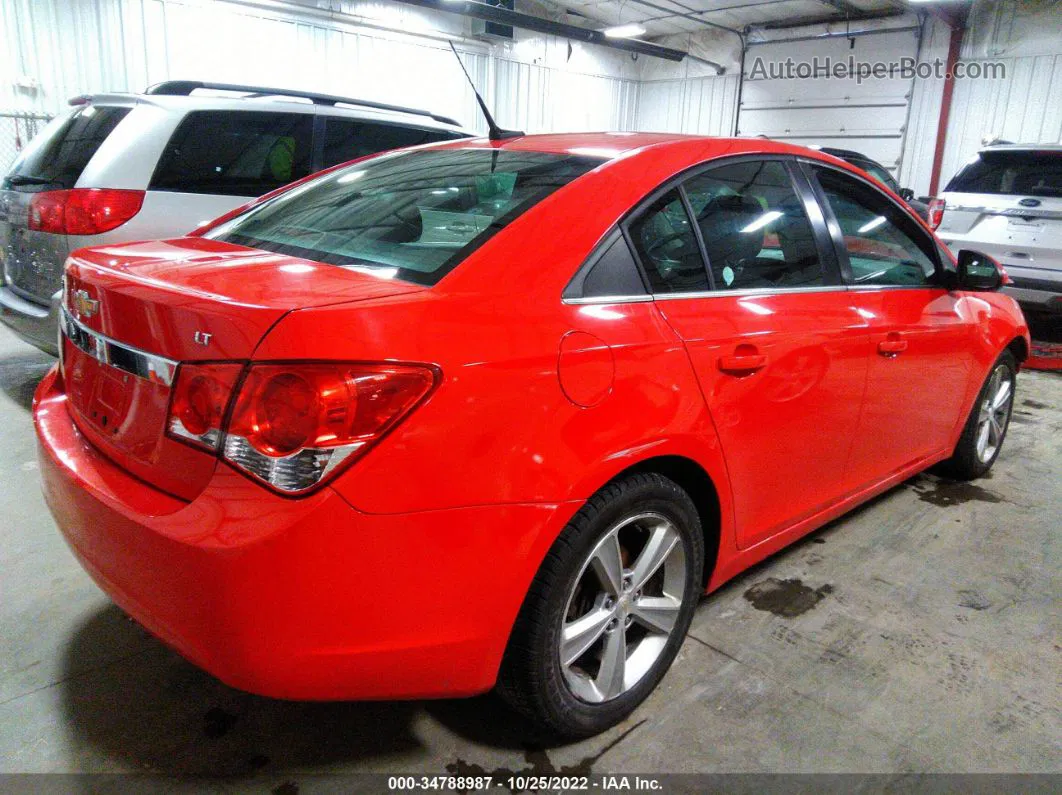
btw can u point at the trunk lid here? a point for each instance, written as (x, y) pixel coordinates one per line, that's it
(133, 312)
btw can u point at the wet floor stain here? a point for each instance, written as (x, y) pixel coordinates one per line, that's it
(945, 493)
(786, 598)
(1034, 404)
(973, 600)
(538, 764)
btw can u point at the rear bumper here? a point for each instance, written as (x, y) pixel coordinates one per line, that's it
(306, 598)
(38, 325)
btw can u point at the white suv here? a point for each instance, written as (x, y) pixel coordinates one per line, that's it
(1007, 202)
(121, 167)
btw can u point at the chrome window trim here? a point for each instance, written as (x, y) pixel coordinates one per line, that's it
(103, 349)
(609, 299)
(751, 292)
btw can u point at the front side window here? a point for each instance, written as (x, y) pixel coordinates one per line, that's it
(235, 153)
(347, 139)
(755, 230)
(409, 215)
(665, 242)
(885, 247)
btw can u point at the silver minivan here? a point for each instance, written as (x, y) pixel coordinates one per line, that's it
(121, 167)
(1007, 202)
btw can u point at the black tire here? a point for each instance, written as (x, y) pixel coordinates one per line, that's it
(966, 463)
(531, 679)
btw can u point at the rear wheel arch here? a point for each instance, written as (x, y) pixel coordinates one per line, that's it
(701, 488)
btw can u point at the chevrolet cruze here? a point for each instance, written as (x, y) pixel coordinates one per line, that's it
(495, 413)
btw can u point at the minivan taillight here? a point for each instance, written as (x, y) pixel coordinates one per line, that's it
(292, 426)
(83, 211)
(936, 213)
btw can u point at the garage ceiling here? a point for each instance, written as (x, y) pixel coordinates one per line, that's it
(666, 17)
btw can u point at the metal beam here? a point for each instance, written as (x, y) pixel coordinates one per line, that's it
(504, 16)
(829, 19)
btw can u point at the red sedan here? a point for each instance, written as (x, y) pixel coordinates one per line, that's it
(497, 413)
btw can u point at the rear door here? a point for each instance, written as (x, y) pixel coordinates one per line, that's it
(1008, 204)
(780, 355)
(920, 359)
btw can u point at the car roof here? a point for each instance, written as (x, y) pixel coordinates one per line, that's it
(1022, 148)
(274, 102)
(616, 145)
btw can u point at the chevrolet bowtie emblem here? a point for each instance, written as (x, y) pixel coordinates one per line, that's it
(84, 305)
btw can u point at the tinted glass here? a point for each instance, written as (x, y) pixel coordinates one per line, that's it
(664, 239)
(754, 227)
(1025, 173)
(347, 139)
(884, 245)
(235, 153)
(614, 273)
(409, 215)
(880, 174)
(56, 160)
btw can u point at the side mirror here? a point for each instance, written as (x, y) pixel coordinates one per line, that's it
(978, 272)
(906, 194)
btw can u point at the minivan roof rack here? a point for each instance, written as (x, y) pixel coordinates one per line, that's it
(183, 88)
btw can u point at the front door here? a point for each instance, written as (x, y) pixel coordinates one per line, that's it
(920, 362)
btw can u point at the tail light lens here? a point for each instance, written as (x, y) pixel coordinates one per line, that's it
(83, 211)
(200, 396)
(292, 426)
(936, 213)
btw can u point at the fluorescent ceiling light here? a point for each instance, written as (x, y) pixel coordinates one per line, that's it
(870, 226)
(630, 31)
(768, 217)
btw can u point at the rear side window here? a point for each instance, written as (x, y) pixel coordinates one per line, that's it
(754, 227)
(1023, 173)
(666, 243)
(235, 153)
(409, 215)
(347, 139)
(55, 160)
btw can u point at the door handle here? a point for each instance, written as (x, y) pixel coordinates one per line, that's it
(743, 361)
(892, 345)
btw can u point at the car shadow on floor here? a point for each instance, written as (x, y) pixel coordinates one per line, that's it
(20, 374)
(151, 711)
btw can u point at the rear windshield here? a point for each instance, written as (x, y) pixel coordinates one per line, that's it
(56, 158)
(1024, 173)
(236, 153)
(409, 215)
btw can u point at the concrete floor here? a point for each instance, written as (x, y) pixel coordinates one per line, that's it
(936, 647)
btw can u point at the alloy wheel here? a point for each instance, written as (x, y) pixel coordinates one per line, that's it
(623, 607)
(994, 413)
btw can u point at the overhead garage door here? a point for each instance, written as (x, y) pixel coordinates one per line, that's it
(867, 115)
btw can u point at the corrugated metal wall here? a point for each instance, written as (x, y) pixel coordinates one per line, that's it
(700, 105)
(1023, 108)
(380, 51)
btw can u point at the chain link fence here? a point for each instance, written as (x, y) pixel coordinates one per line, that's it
(17, 130)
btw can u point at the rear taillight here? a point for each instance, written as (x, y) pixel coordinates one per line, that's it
(292, 426)
(83, 211)
(936, 213)
(198, 402)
